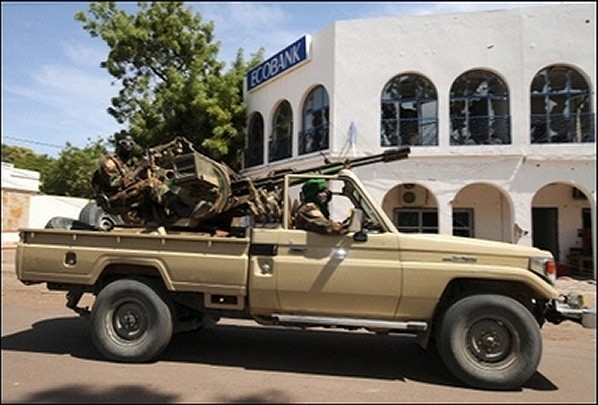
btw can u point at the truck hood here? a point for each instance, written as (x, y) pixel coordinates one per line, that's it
(448, 246)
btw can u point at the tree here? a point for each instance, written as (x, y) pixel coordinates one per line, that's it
(172, 85)
(70, 174)
(25, 158)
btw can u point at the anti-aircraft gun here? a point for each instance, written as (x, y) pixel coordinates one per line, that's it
(187, 189)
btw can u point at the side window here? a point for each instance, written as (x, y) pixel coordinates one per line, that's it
(409, 113)
(281, 140)
(254, 145)
(415, 220)
(479, 110)
(560, 107)
(345, 198)
(463, 223)
(314, 135)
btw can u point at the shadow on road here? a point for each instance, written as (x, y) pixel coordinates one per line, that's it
(315, 351)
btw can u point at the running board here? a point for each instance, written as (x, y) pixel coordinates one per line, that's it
(409, 326)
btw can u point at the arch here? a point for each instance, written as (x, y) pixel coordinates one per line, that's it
(315, 122)
(412, 207)
(560, 106)
(479, 109)
(280, 144)
(485, 211)
(409, 111)
(254, 142)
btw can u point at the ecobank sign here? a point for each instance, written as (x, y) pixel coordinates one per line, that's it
(284, 60)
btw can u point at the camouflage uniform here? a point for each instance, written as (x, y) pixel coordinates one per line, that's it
(313, 215)
(123, 187)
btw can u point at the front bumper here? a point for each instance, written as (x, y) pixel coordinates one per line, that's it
(570, 307)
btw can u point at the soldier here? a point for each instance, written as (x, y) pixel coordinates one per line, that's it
(313, 214)
(121, 181)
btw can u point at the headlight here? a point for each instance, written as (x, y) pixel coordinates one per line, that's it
(545, 266)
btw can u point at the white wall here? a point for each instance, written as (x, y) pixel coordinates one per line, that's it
(45, 207)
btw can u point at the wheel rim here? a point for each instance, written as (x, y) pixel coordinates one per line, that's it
(490, 341)
(130, 321)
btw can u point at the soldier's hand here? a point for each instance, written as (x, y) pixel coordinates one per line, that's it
(145, 163)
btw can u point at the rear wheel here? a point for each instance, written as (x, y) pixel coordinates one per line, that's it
(131, 321)
(490, 341)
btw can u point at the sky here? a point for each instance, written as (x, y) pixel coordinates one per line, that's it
(54, 91)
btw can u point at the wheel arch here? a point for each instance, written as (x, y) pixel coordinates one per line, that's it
(461, 288)
(136, 271)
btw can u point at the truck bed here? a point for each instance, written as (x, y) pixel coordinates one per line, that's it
(186, 261)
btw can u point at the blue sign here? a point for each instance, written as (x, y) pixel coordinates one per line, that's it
(279, 63)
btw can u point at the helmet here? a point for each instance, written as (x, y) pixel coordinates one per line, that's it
(312, 187)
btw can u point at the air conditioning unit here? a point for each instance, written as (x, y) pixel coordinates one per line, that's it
(414, 196)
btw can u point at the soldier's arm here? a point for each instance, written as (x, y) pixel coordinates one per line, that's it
(310, 218)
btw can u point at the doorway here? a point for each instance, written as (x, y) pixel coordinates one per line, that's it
(545, 230)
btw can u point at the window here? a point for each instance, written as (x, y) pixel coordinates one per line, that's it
(560, 107)
(281, 140)
(417, 220)
(463, 223)
(315, 133)
(254, 146)
(409, 112)
(479, 109)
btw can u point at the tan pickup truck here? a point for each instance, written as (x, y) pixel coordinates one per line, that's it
(481, 303)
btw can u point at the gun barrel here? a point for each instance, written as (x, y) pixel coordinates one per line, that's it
(332, 168)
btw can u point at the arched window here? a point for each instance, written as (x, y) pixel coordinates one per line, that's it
(254, 146)
(409, 112)
(560, 107)
(281, 140)
(315, 133)
(479, 108)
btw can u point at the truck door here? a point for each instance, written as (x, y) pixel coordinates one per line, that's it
(336, 276)
(299, 272)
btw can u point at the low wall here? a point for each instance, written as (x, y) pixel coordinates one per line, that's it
(35, 212)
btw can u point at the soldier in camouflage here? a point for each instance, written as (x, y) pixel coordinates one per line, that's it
(313, 214)
(122, 185)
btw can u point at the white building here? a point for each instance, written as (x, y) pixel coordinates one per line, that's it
(24, 207)
(498, 108)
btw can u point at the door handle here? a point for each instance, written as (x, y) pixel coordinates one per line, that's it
(297, 249)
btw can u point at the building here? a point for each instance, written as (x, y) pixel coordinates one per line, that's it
(24, 207)
(18, 186)
(498, 108)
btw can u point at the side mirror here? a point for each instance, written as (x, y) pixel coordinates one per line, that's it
(356, 221)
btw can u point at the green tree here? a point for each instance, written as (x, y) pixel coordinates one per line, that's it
(70, 174)
(172, 84)
(25, 158)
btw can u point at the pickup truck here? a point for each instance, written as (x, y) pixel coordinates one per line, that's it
(480, 303)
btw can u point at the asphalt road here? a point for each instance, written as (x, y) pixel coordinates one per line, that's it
(47, 356)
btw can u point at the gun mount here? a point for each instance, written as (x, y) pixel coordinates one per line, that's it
(190, 190)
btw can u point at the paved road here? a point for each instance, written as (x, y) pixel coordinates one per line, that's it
(47, 356)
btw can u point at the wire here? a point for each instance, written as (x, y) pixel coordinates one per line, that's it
(33, 142)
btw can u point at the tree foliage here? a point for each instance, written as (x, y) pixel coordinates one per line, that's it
(164, 57)
(70, 174)
(24, 158)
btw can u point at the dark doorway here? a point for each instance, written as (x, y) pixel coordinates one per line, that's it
(545, 230)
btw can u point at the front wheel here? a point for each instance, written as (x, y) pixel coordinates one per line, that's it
(490, 341)
(131, 321)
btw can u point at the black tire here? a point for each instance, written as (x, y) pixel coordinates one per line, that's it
(94, 215)
(490, 342)
(67, 223)
(131, 321)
